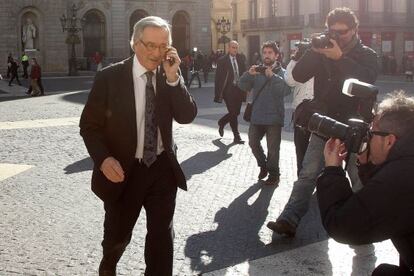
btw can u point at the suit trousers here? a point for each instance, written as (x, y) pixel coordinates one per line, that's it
(233, 98)
(153, 188)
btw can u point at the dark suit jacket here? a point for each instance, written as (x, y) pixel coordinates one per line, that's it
(225, 76)
(108, 123)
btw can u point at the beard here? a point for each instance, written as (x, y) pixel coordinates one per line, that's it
(268, 61)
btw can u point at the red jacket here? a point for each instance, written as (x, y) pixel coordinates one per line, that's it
(35, 73)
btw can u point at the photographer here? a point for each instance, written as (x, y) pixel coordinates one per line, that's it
(301, 92)
(383, 208)
(333, 58)
(268, 110)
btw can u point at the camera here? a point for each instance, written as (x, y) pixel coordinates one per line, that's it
(354, 134)
(322, 40)
(302, 46)
(260, 69)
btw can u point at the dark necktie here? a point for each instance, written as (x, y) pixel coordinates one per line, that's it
(150, 140)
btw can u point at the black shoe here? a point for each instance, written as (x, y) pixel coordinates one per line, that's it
(282, 227)
(221, 130)
(238, 140)
(28, 92)
(272, 181)
(263, 173)
(10, 84)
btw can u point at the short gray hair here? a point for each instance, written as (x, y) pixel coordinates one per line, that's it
(149, 21)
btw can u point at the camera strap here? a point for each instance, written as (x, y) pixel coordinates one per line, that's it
(260, 90)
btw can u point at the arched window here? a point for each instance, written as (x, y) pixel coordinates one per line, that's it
(181, 32)
(135, 17)
(94, 33)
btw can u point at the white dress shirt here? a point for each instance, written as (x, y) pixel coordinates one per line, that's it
(140, 81)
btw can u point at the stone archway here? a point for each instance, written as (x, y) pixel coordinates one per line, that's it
(135, 17)
(29, 31)
(94, 33)
(181, 32)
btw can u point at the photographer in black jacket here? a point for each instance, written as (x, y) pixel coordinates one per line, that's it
(344, 58)
(384, 207)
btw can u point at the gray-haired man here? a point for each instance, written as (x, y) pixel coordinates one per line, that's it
(127, 128)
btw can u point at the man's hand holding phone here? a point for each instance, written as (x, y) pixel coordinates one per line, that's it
(171, 62)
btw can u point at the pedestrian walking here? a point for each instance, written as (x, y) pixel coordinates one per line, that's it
(229, 69)
(268, 112)
(13, 71)
(127, 128)
(9, 60)
(36, 86)
(25, 64)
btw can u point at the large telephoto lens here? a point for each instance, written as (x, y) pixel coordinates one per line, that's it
(327, 127)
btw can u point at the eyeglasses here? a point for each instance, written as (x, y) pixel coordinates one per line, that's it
(370, 133)
(339, 32)
(152, 47)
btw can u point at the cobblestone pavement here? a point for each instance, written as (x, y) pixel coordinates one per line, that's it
(51, 223)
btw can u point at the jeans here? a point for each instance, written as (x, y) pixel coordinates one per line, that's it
(303, 188)
(273, 137)
(301, 139)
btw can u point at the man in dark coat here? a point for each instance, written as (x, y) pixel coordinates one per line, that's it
(229, 69)
(384, 208)
(345, 58)
(127, 128)
(13, 70)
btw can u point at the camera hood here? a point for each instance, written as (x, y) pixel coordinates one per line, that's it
(356, 88)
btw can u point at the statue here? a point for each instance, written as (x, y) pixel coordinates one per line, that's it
(28, 34)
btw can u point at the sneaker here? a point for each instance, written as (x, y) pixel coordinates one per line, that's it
(272, 180)
(262, 174)
(282, 227)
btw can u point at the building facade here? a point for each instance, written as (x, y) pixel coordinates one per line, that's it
(385, 25)
(35, 26)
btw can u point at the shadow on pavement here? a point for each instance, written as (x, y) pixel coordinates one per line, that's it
(236, 238)
(206, 160)
(80, 166)
(79, 98)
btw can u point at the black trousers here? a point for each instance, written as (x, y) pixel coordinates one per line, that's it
(154, 189)
(194, 75)
(233, 99)
(301, 139)
(14, 75)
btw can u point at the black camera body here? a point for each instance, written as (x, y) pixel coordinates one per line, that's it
(302, 46)
(322, 40)
(260, 69)
(353, 134)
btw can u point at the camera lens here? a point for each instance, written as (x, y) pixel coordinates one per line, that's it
(327, 127)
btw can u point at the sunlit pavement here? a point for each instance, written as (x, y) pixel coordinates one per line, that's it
(51, 223)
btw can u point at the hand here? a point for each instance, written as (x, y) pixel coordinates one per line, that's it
(334, 152)
(171, 70)
(363, 158)
(252, 70)
(269, 73)
(334, 53)
(112, 170)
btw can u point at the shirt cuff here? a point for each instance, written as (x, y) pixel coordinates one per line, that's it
(173, 84)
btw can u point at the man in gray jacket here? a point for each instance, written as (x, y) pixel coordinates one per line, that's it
(268, 110)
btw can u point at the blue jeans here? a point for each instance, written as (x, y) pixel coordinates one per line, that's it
(303, 188)
(273, 137)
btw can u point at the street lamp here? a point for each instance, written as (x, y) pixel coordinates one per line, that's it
(70, 25)
(223, 26)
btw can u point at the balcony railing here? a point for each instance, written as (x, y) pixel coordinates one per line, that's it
(273, 23)
(370, 19)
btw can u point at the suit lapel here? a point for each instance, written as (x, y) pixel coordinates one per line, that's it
(129, 96)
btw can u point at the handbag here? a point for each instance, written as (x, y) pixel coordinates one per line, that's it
(249, 107)
(306, 109)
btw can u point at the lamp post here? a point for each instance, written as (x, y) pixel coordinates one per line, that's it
(223, 26)
(70, 25)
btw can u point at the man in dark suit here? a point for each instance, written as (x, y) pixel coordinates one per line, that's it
(127, 128)
(229, 69)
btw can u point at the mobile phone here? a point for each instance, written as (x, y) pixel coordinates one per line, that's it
(170, 60)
